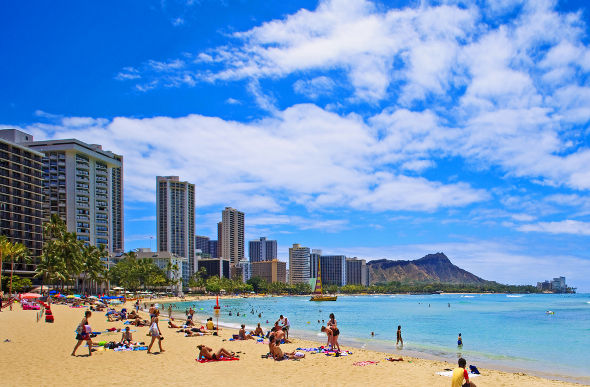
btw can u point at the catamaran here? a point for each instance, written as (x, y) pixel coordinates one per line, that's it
(318, 294)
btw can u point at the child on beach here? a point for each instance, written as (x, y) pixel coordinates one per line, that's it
(83, 333)
(460, 374)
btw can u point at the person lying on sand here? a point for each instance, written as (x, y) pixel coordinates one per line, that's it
(279, 355)
(242, 334)
(172, 325)
(141, 323)
(133, 315)
(207, 353)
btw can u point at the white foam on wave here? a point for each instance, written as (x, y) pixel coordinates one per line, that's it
(468, 296)
(512, 296)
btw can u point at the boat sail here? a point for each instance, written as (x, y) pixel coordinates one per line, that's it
(318, 294)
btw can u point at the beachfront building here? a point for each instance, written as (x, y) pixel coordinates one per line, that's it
(314, 258)
(202, 243)
(232, 235)
(270, 271)
(356, 272)
(175, 220)
(173, 265)
(21, 199)
(298, 264)
(241, 271)
(215, 267)
(262, 250)
(556, 285)
(83, 184)
(333, 269)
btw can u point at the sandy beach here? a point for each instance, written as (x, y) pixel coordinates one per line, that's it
(38, 353)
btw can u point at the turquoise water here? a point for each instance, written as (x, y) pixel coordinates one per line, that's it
(510, 332)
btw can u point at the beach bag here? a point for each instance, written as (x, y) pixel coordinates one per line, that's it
(87, 329)
(474, 369)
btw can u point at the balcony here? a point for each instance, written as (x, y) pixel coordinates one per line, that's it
(82, 205)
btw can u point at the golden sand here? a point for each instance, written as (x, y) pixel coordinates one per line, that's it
(38, 354)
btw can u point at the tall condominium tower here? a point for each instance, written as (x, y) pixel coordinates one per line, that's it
(83, 184)
(262, 250)
(298, 264)
(314, 258)
(219, 239)
(333, 269)
(232, 236)
(21, 200)
(175, 202)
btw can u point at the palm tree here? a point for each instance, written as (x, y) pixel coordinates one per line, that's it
(4, 245)
(16, 250)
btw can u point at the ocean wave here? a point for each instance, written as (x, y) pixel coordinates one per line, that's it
(513, 296)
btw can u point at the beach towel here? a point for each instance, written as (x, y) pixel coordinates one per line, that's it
(450, 373)
(221, 359)
(364, 363)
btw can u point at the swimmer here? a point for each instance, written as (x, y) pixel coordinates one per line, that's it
(459, 341)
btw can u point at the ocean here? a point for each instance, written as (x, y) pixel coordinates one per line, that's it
(507, 332)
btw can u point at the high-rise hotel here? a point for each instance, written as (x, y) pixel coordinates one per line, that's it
(232, 235)
(175, 221)
(21, 200)
(83, 184)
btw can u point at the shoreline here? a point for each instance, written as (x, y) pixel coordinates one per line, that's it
(380, 347)
(49, 345)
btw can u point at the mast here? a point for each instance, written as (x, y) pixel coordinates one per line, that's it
(318, 281)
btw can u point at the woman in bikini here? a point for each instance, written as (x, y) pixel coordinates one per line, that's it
(83, 334)
(207, 353)
(335, 331)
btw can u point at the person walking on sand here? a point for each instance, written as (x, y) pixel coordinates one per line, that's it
(399, 336)
(460, 374)
(170, 311)
(155, 332)
(83, 333)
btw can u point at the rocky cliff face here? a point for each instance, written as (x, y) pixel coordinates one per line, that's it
(431, 268)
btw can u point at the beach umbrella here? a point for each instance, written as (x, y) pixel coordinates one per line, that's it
(93, 297)
(72, 296)
(53, 292)
(29, 295)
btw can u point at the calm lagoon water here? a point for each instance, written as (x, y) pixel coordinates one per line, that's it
(510, 332)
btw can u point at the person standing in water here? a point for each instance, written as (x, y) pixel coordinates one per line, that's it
(399, 336)
(460, 341)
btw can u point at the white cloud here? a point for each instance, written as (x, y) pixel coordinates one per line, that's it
(573, 227)
(177, 21)
(303, 155)
(314, 88)
(232, 101)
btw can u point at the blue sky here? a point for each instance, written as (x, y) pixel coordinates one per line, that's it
(367, 128)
